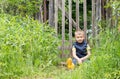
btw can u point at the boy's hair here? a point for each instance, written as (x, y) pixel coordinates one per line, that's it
(79, 32)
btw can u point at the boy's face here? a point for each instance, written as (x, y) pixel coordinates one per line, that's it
(79, 38)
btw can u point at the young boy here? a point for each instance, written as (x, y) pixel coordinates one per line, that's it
(80, 49)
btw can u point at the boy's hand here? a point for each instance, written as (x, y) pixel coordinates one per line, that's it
(82, 59)
(79, 61)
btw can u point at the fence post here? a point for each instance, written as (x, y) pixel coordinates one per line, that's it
(85, 18)
(45, 11)
(56, 16)
(77, 14)
(93, 21)
(70, 24)
(63, 26)
(51, 13)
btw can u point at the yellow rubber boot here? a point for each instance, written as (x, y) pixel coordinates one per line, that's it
(70, 64)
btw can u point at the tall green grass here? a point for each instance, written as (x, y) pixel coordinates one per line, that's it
(26, 46)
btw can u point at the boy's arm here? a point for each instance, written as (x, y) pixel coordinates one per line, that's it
(75, 56)
(88, 54)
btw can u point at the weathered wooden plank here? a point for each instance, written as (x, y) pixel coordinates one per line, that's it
(63, 25)
(77, 14)
(45, 11)
(85, 18)
(51, 13)
(93, 20)
(70, 23)
(56, 16)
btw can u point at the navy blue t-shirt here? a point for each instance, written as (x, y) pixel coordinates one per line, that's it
(81, 49)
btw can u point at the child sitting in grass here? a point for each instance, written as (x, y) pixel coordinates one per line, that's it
(80, 49)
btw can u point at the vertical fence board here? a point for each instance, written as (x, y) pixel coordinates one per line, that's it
(56, 16)
(77, 14)
(93, 20)
(63, 25)
(45, 11)
(70, 23)
(51, 12)
(100, 9)
(85, 18)
(40, 14)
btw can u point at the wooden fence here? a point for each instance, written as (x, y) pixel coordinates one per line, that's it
(50, 10)
(49, 13)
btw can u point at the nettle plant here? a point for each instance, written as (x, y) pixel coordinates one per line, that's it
(25, 45)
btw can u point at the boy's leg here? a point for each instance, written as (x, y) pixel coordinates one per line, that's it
(75, 62)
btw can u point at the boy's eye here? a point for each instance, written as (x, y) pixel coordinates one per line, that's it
(79, 36)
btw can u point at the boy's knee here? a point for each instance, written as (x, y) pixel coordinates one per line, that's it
(74, 61)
